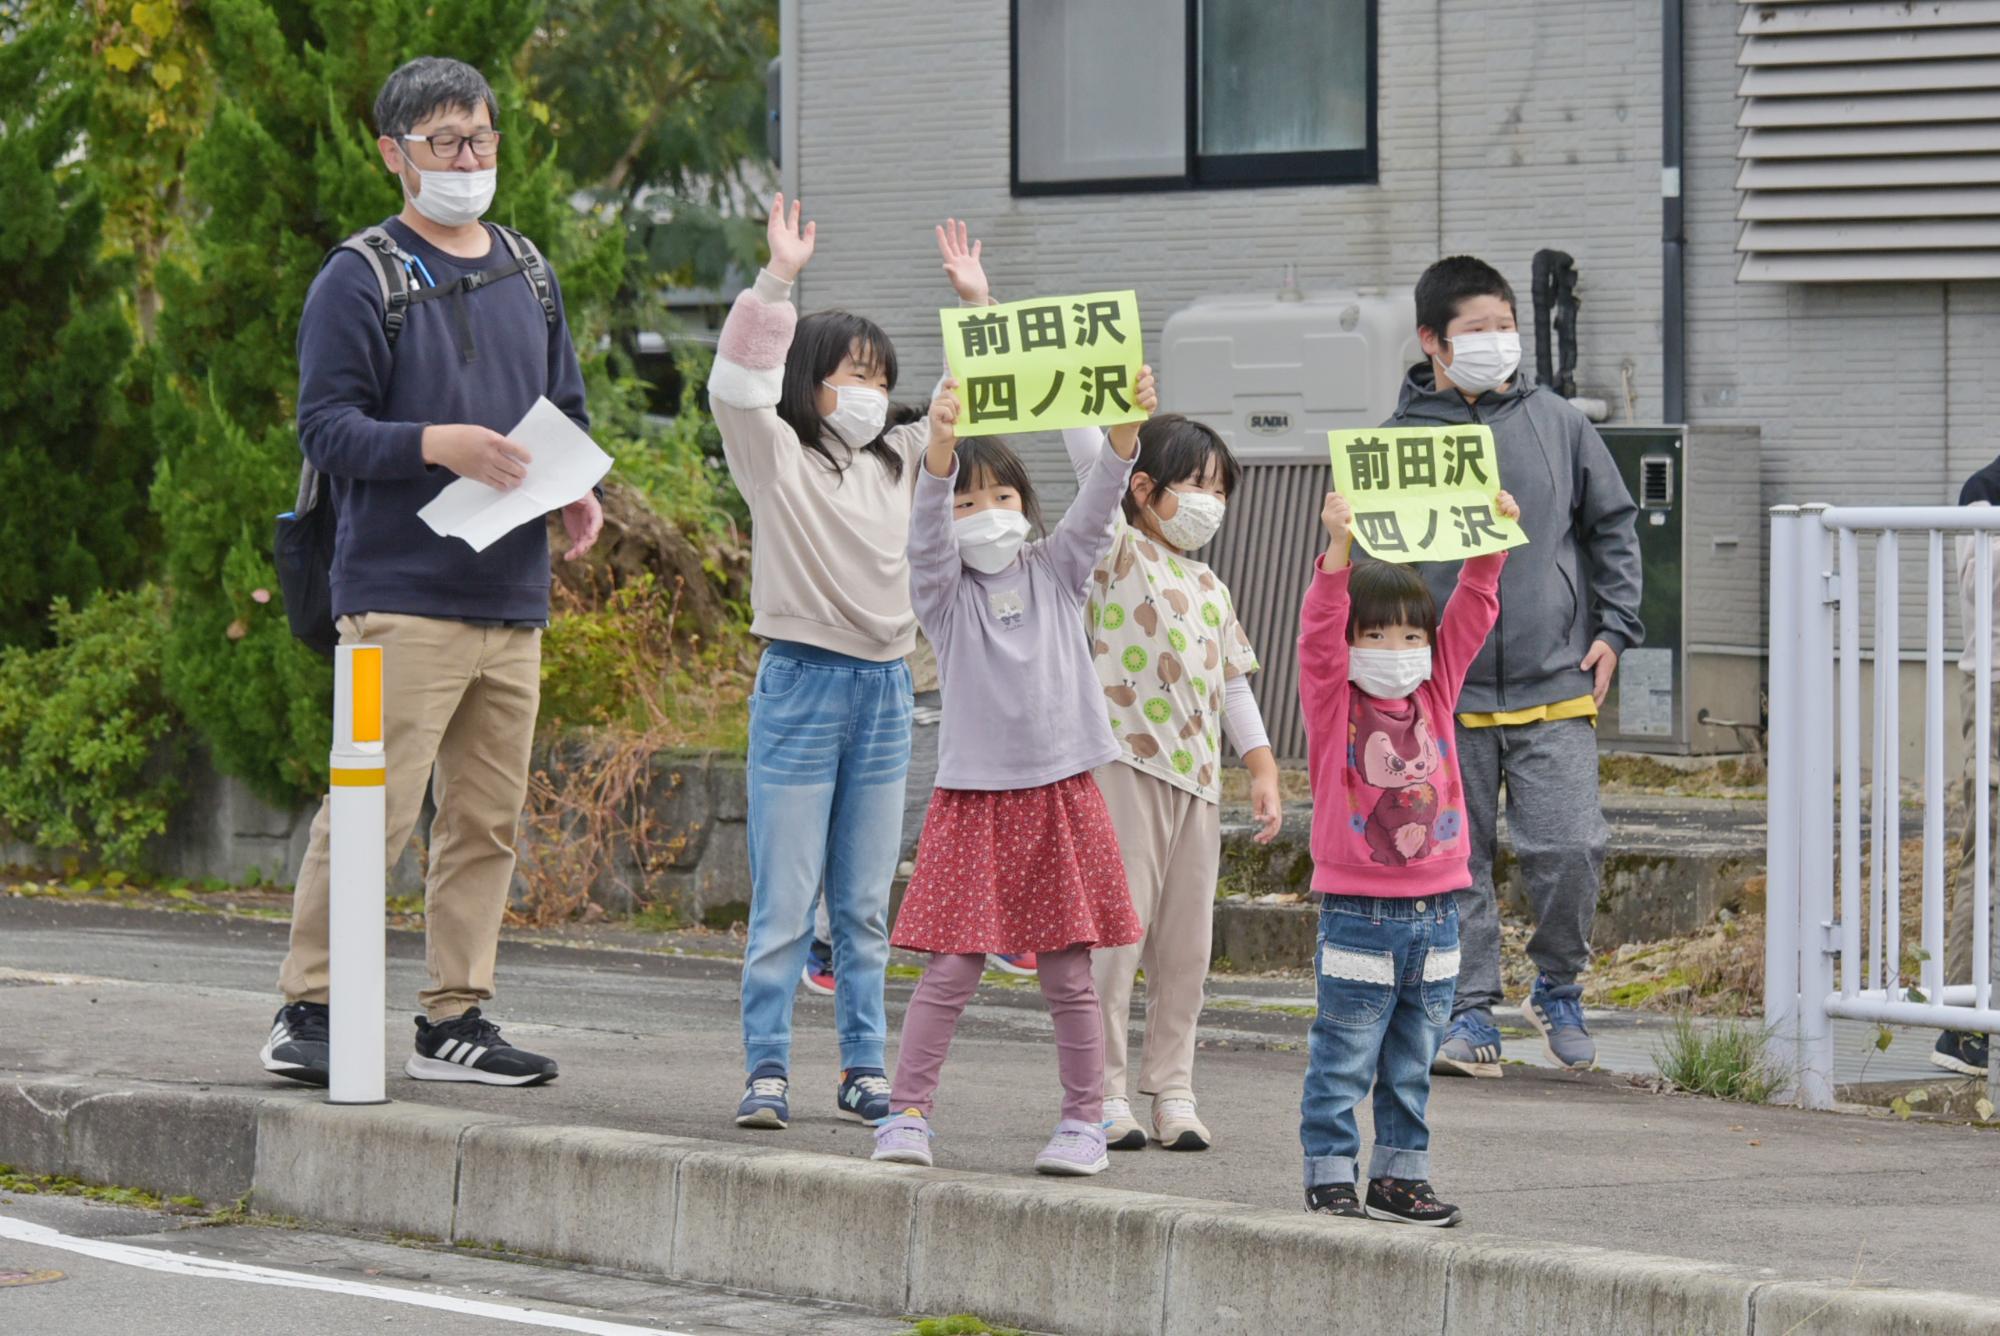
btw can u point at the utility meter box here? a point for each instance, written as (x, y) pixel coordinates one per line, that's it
(1274, 375)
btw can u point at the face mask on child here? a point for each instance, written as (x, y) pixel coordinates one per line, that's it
(1389, 674)
(1195, 522)
(858, 416)
(1485, 361)
(988, 539)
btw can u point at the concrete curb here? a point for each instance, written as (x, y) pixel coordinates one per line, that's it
(1072, 1257)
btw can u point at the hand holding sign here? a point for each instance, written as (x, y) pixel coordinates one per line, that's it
(1424, 493)
(1047, 363)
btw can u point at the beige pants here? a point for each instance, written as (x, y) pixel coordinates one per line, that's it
(1958, 912)
(459, 707)
(1172, 845)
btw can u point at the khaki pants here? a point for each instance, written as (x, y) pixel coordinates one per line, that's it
(1172, 845)
(1958, 912)
(458, 705)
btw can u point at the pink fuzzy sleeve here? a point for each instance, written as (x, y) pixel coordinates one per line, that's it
(749, 366)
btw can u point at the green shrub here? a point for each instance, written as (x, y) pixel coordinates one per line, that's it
(86, 733)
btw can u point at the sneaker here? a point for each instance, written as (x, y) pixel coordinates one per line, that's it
(1121, 1129)
(1557, 1011)
(1076, 1149)
(1021, 964)
(764, 1103)
(469, 1048)
(1176, 1128)
(863, 1096)
(904, 1139)
(1335, 1199)
(297, 1044)
(819, 969)
(1471, 1047)
(1961, 1051)
(1411, 1201)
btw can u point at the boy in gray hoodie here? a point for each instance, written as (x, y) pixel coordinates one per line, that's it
(1569, 606)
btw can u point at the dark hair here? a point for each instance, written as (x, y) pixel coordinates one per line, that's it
(427, 85)
(1382, 593)
(822, 341)
(988, 461)
(1451, 281)
(1174, 449)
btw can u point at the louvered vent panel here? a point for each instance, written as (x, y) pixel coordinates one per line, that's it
(1871, 140)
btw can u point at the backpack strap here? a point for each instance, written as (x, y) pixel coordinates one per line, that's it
(533, 265)
(386, 260)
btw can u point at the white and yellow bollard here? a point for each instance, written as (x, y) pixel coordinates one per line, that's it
(357, 907)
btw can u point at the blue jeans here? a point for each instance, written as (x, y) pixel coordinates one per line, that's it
(829, 751)
(1387, 970)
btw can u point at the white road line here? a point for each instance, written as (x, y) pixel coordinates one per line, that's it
(207, 1268)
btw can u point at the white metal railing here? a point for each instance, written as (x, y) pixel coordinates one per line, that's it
(1818, 899)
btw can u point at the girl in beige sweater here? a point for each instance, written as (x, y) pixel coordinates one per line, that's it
(802, 406)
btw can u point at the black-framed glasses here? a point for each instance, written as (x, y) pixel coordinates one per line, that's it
(484, 143)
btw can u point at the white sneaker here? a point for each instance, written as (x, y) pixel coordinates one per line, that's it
(1175, 1126)
(1121, 1129)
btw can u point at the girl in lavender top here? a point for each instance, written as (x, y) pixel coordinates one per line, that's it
(1018, 852)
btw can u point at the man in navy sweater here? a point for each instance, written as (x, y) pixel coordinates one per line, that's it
(389, 424)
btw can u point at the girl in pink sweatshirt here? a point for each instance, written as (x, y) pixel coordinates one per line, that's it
(1379, 676)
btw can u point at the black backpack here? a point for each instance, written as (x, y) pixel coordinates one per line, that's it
(303, 547)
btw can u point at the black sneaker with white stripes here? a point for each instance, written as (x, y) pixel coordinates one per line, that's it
(469, 1048)
(297, 1044)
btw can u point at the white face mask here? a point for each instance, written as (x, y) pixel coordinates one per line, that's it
(453, 199)
(858, 416)
(1388, 674)
(1482, 362)
(988, 539)
(1195, 522)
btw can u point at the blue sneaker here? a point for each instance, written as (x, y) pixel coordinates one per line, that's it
(864, 1095)
(1471, 1047)
(1557, 1011)
(764, 1102)
(819, 969)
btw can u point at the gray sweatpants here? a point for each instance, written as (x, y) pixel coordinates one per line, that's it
(1556, 827)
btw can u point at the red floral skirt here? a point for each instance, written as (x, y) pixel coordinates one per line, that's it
(1017, 870)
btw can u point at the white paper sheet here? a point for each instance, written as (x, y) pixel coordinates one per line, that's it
(566, 464)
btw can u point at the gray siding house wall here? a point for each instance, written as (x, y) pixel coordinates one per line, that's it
(1504, 127)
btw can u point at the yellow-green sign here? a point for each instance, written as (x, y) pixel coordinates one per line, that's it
(1423, 493)
(1045, 364)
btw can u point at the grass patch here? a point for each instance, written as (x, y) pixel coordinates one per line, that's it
(56, 1185)
(958, 1324)
(656, 917)
(1729, 1060)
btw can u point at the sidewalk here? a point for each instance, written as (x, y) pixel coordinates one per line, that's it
(649, 1043)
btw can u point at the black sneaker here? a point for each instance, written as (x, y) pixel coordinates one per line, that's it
(297, 1046)
(469, 1048)
(1961, 1051)
(1409, 1200)
(1335, 1199)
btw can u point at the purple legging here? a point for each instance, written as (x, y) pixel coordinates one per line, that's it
(941, 996)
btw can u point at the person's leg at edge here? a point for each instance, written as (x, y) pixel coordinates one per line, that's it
(1555, 822)
(422, 681)
(480, 785)
(1139, 821)
(1343, 1045)
(1079, 1026)
(928, 1024)
(1182, 936)
(798, 721)
(1479, 908)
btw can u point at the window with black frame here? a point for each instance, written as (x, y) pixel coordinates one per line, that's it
(1107, 97)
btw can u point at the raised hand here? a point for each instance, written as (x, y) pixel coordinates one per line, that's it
(1125, 436)
(944, 430)
(1336, 516)
(791, 246)
(961, 263)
